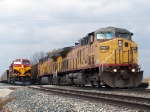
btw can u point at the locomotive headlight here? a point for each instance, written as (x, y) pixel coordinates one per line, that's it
(133, 70)
(119, 42)
(115, 70)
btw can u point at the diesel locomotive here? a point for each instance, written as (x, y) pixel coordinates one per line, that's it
(107, 56)
(19, 72)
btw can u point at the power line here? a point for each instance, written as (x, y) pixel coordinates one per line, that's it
(69, 20)
(71, 13)
(82, 18)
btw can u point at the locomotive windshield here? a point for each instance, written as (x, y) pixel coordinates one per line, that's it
(17, 63)
(26, 63)
(104, 35)
(123, 35)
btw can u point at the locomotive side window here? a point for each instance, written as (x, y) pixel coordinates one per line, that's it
(90, 39)
(123, 35)
(104, 35)
(82, 42)
(86, 40)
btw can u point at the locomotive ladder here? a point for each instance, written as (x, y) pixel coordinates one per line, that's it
(105, 60)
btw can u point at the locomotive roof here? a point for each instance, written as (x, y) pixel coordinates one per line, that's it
(54, 55)
(43, 59)
(112, 30)
(109, 29)
(21, 60)
(65, 49)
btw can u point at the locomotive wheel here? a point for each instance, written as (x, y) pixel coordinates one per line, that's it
(11, 80)
(59, 82)
(125, 87)
(107, 86)
(99, 86)
(39, 81)
(14, 78)
(92, 84)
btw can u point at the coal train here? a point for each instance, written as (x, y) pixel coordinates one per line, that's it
(19, 72)
(105, 57)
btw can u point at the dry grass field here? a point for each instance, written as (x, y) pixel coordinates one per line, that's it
(146, 79)
(12, 88)
(4, 102)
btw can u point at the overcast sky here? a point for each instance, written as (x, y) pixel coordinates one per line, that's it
(30, 26)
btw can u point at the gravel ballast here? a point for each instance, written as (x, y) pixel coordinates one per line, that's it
(29, 100)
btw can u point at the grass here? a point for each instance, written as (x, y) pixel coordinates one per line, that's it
(4, 102)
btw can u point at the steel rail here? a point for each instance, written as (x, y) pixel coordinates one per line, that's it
(135, 90)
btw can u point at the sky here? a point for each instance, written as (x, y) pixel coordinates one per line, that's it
(30, 26)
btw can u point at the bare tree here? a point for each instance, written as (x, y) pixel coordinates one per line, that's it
(36, 57)
(39, 55)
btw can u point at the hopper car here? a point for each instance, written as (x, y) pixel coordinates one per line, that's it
(4, 77)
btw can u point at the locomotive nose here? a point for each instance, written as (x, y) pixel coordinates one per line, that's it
(126, 51)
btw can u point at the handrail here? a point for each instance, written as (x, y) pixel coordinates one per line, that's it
(136, 60)
(105, 61)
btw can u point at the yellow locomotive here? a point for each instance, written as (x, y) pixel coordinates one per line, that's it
(107, 56)
(19, 71)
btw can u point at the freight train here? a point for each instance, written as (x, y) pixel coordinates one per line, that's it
(107, 56)
(19, 72)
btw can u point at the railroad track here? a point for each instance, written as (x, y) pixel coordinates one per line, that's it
(136, 90)
(132, 90)
(127, 101)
